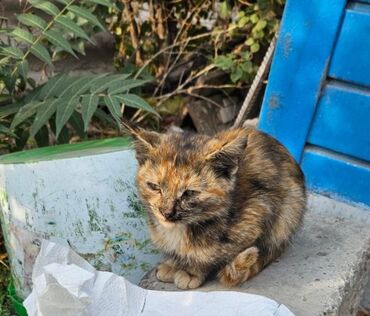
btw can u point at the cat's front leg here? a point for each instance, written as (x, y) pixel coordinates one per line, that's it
(185, 280)
(242, 268)
(166, 272)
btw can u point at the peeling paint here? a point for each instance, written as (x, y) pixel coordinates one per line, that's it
(66, 201)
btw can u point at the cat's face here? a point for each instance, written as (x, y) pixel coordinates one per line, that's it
(185, 179)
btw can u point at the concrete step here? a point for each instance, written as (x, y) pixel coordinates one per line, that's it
(323, 272)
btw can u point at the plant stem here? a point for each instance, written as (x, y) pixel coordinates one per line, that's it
(50, 24)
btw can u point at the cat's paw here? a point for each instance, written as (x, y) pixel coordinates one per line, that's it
(165, 272)
(185, 281)
(240, 269)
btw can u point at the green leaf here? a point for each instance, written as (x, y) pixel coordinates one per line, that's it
(225, 10)
(125, 85)
(89, 104)
(11, 51)
(223, 62)
(236, 74)
(42, 137)
(243, 21)
(58, 40)
(23, 35)
(134, 101)
(254, 18)
(41, 53)
(46, 6)
(114, 106)
(6, 131)
(53, 87)
(69, 25)
(32, 20)
(24, 113)
(23, 69)
(78, 124)
(255, 48)
(106, 3)
(10, 109)
(101, 115)
(105, 83)
(65, 109)
(86, 14)
(249, 41)
(261, 24)
(45, 111)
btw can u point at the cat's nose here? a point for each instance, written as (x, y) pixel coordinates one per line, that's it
(168, 213)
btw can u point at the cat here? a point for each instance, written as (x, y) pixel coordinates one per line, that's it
(225, 206)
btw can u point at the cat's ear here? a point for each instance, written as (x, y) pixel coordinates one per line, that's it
(144, 141)
(224, 151)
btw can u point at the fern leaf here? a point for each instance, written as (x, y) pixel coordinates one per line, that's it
(22, 35)
(46, 6)
(134, 101)
(23, 68)
(69, 25)
(6, 131)
(41, 53)
(53, 87)
(73, 92)
(58, 40)
(89, 104)
(32, 20)
(43, 115)
(78, 124)
(113, 106)
(86, 14)
(105, 83)
(106, 3)
(11, 51)
(24, 113)
(125, 85)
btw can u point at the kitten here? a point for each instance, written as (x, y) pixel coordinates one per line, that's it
(225, 205)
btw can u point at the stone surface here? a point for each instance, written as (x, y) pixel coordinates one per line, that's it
(323, 272)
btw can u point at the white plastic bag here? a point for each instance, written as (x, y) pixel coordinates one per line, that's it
(64, 284)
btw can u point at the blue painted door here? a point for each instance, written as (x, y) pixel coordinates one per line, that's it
(317, 101)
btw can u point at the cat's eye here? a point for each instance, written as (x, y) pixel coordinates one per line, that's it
(189, 193)
(153, 186)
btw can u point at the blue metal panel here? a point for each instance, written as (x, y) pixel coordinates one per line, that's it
(328, 173)
(351, 58)
(302, 54)
(342, 120)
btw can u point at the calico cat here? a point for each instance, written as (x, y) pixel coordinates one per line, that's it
(225, 205)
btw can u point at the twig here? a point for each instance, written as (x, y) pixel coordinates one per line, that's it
(256, 85)
(180, 87)
(133, 31)
(164, 49)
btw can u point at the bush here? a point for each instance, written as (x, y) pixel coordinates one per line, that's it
(30, 111)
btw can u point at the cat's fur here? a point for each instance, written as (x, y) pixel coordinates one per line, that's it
(226, 205)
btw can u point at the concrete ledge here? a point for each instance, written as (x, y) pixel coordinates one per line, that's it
(323, 272)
